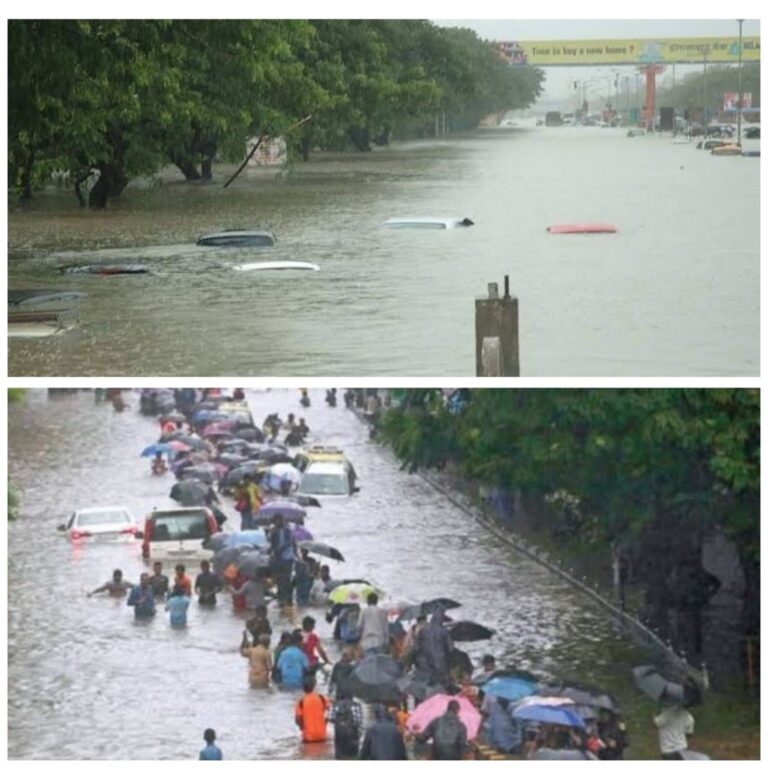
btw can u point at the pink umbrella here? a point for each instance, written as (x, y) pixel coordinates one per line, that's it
(436, 705)
(178, 446)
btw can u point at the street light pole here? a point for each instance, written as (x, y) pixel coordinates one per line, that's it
(741, 92)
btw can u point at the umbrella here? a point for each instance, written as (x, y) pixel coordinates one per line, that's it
(284, 471)
(375, 678)
(229, 555)
(436, 705)
(178, 446)
(651, 682)
(216, 541)
(356, 592)
(250, 433)
(230, 459)
(416, 684)
(324, 550)
(469, 631)
(151, 450)
(333, 583)
(216, 434)
(300, 533)
(581, 694)
(513, 672)
(237, 475)
(190, 493)
(198, 473)
(252, 564)
(203, 416)
(546, 714)
(510, 688)
(411, 612)
(191, 440)
(290, 511)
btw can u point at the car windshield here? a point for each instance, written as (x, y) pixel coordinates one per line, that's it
(105, 517)
(316, 483)
(179, 526)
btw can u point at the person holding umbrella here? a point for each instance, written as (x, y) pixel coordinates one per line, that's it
(373, 627)
(448, 734)
(433, 646)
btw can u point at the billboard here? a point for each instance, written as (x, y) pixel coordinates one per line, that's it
(683, 50)
(731, 101)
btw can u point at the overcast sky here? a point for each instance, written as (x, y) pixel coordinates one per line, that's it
(559, 82)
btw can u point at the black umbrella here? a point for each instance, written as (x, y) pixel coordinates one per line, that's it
(580, 694)
(469, 632)
(652, 683)
(324, 550)
(193, 441)
(291, 514)
(416, 684)
(190, 493)
(229, 555)
(410, 612)
(230, 459)
(238, 474)
(375, 678)
(252, 564)
(174, 416)
(233, 445)
(201, 472)
(249, 433)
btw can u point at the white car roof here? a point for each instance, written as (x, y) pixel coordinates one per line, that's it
(102, 509)
(327, 468)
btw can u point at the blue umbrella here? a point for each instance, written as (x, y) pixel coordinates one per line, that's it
(151, 450)
(510, 688)
(544, 714)
(202, 416)
(256, 536)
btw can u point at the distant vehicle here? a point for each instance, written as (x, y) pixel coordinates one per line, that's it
(553, 118)
(632, 132)
(329, 478)
(752, 132)
(427, 223)
(101, 524)
(43, 300)
(237, 238)
(710, 144)
(177, 534)
(264, 266)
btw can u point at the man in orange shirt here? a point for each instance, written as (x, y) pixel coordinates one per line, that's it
(310, 713)
(182, 580)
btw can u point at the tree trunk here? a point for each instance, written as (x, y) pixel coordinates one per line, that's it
(26, 176)
(361, 139)
(207, 168)
(186, 165)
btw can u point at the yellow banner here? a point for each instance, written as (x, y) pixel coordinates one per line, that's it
(682, 50)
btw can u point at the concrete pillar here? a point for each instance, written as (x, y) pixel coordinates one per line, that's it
(497, 351)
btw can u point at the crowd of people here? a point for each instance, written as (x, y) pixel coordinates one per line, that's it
(363, 632)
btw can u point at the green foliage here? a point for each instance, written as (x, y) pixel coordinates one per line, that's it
(636, 460)
(125, 96)
(699, 90)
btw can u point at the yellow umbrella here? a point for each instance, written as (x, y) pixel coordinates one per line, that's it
(352, 593)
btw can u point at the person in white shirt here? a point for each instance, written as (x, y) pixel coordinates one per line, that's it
(373, 627)
(674, 723)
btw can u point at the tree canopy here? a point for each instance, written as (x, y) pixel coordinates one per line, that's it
(125, 97)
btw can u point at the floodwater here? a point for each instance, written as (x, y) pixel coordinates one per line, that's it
(87, 682)
(675, 292)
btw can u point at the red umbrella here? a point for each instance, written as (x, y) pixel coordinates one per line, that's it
(436, 706)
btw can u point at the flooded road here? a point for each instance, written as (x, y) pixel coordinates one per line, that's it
(87, 682)
(675, 292)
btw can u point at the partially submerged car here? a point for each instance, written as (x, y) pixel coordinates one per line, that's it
(101, 524)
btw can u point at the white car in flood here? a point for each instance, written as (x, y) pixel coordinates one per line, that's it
(328, 478)
(101, 524)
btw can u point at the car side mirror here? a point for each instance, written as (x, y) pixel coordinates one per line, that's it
(139, 534)
(62, 527)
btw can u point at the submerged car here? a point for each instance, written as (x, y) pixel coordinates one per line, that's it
(177, 533)
(329, 478)
(101, 524)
